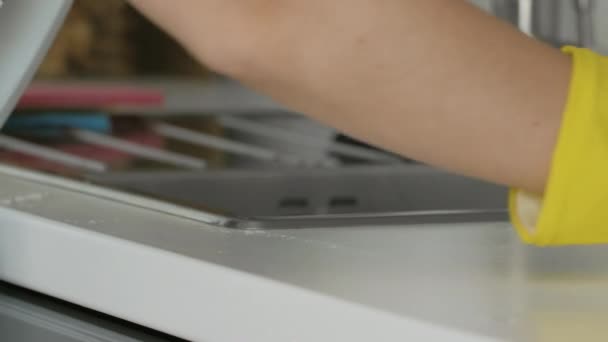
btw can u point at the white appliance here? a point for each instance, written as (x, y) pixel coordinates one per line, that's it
(188, 274)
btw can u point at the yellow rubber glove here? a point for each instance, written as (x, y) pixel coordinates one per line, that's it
(574, 209)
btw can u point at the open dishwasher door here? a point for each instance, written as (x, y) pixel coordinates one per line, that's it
(160, 250)
(27, 28)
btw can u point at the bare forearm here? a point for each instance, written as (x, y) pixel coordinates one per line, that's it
(436, 80)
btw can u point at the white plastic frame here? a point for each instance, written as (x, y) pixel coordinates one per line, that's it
(27, 28)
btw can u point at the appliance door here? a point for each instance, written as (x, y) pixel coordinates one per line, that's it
(27, 28)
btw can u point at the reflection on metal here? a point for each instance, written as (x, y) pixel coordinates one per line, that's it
(202, 139)
(155, 154)
(27, 148)
(526, 16)
(298, 138)
(584, 9)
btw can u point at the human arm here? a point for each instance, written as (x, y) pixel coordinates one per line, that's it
(436, 80)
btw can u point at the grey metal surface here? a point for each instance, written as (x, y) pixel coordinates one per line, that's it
(586, 23)
(567, 22)
(506, 9)
(559, 22)
(322, 197)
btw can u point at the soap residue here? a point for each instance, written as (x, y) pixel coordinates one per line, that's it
(272, 234)
(22, 199)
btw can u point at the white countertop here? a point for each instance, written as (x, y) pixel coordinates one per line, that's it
(463, 282)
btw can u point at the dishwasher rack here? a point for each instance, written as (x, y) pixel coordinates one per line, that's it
(268, 170)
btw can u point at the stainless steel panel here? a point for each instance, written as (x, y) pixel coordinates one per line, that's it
(322, 197)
